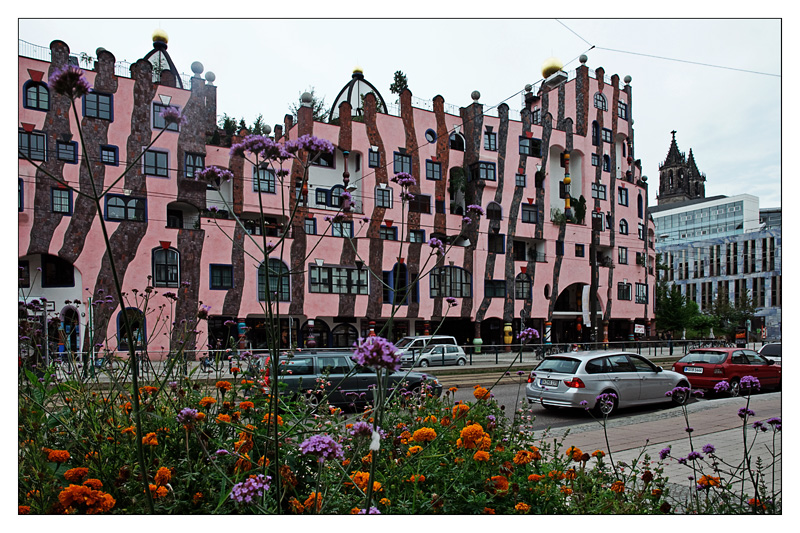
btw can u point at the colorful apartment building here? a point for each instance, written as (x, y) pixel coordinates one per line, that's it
(565, 213)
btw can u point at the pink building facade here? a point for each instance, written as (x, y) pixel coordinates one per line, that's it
(529, 262)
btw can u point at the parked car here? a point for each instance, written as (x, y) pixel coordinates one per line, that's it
(705, 367)
(442, 354)
(302, 373)
(420, 343)
(771, 351)
(566, 380)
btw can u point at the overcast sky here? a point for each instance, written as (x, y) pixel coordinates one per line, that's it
(716, 82)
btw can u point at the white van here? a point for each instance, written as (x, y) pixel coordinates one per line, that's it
(410, 348)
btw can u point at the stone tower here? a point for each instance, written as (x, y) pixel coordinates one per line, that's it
(679, 178)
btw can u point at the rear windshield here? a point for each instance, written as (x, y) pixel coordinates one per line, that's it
(402, 343)
(705, 356)
(771, 349)
(562, 365)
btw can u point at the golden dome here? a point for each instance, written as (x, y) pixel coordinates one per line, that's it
(550, 66)
(358, 70)
(160, 35)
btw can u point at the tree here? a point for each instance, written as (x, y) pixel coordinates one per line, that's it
(319, 111)
(400, 83)
(673, 311)
(729, 316)
(258, 126)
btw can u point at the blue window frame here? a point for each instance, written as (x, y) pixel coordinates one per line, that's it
(119, 207)
(61, 201)
(416, 235)
(530, 214)
(193, 163)
(433, 170)
(402, 163)
(220, 277)
(322, 196)
(388, 234)
(520, 180)
(483, 170)
(490, 140)
(264, 180)
(156, 163)
(343, 228)
(310, 226)
(109, 155)
(67, 151)
(383, 197)
(33, 145)
(530, 146)
(98, 105)
(277, 278)
(35, 95)
(374, 158)
(166, 267)
(397, 287)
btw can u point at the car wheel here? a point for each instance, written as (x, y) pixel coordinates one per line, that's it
(607, 408)
(735, 388)
(681, 397)
(462, 362)
(312, 400)
(424, 363)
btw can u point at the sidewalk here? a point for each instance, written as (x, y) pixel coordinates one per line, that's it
(714, 421)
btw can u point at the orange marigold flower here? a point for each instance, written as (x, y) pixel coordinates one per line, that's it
(522, 507)
(618, 487)
(598, 453)
(424, 435)
(200, 416)
(93, 483)
(148, 389)
(385, 501)
(656, 492)
(460, 410)
(488, 510)
(131, 430)
(481, 456)
(197, 498)
(315, 498)
(523, 457)
(76, 475)
(163, 476)
(566, 491)
(709, 481)
(355, 510)
(76, 498)
(207, 401)
(150, 440)
(500, 483)
(295, 506)
(471, 434)
(453, 389)
(413, 450)
(416, 478)
(246, 405)
(536, 454)
(756, 503)
(575, 453)
(158, 492)
(23, 509)
(224, 419)
(58, 456)
(127, 407)
(404, 437)
(360, 479)
(430, 419)
(242, 464)
(555, 474)
(445, 421)
(223, 386)
(267, 418)
(533, 478)
(570, 474)
(481, 393)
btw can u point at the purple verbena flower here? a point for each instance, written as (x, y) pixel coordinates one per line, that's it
(70, 82)
(245, 491)
(323, 447)
(213, 175)
(708, 449)
(172, 115)
(527, 335)
(452, 302)
(372, 510)
(361, 429)
(744, 412)
(187, 416)
(722, 386)
(436, 245)
(693, 456)
(404, 179)
(377, 353)
(663, 454)
(750, 382)
(476, 210)
(775, 422)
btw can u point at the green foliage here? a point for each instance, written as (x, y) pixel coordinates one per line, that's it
(319, 111)
(728, 316)
(673, 311)
(399, 84)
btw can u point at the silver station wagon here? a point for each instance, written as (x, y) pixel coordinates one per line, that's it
(566, 380)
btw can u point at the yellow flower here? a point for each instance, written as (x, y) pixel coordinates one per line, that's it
(207, 401)
(481, 393)
(385, 501)
(618, 487)
(523, 457)
(224, 418)
(413, 450)
(522, 507)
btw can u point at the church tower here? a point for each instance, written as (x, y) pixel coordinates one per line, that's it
(679, 178)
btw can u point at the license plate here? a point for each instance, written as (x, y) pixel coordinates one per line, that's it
(548, 382)
(692, 370)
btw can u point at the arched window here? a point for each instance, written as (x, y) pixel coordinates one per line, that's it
(494, 211)
(278, 281)
(166, 267)
(397, 289)
(37, 96)
(595, 134)
(600, 102)
(522, 287)
(457, 142)
(623, 227)
(336, 196)
(640, 206)
(137, 323)
(321, 331)
(344, 336)
(116, 208)
(451, 281)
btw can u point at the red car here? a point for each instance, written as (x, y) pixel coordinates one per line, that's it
(705, 367)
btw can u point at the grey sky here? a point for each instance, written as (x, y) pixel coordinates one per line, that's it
(730, 117)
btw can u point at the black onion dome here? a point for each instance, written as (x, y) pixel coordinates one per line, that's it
(160, 59)
(355, 89)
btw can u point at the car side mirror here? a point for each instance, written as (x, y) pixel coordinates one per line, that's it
(659, 369)
(770, 362)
